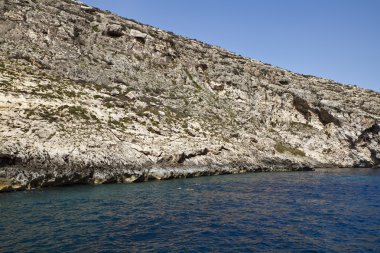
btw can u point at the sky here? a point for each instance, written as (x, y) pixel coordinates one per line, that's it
(334, 39)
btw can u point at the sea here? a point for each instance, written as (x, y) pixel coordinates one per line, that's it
(327, 210)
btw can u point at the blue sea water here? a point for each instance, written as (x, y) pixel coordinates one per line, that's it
(322, 211)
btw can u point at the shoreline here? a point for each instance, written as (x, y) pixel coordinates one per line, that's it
(21, 179)
(69, 177)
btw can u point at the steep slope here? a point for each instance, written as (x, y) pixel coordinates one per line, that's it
(89, 97)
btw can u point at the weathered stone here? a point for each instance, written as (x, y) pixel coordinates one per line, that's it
(105, 99)
(137, 34)
(115, 92)
(115, 30)
(5, 184)
(131, 95)
(217, 86)
(140, 37)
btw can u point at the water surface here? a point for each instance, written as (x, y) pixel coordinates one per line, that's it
(326, 210)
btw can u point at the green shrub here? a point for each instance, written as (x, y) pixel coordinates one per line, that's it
(283, 148)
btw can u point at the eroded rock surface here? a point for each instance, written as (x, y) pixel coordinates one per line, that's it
(89, 97)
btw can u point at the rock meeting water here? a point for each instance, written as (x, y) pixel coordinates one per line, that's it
(325, 210)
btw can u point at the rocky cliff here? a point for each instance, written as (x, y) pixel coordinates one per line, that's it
(90, 97)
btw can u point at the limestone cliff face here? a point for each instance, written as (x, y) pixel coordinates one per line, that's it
(89, 97)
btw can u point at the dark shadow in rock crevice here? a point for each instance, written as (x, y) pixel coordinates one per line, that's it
(8, 160)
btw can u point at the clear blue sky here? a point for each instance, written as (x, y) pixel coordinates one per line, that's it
(336, 39)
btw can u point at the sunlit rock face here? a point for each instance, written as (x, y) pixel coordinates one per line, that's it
(90, 97)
